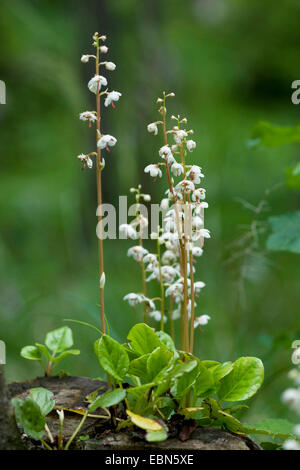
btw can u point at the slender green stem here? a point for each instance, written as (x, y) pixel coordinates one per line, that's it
(162, 291)
(77, 430)
(46, 445)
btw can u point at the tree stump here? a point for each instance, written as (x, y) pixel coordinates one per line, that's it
(70, 392)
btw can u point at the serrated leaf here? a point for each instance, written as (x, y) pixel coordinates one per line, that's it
(60, 339)
(285, 234)
(112, 357)
(29, 416)
(147, 424)
(31, 352)
(43, 398)
(108, 399)
(243, 381)
(143, 339)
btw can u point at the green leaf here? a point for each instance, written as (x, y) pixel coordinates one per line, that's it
(64, 354)
(108, 399)
(243, 381)
(29, 416)
(286, 232)
(157, 361)
(265, 134)
(60, 339)
(222, 370)
(156, 436)
(166, 340)
(141, 390)
(43, 398)
(31, 352)
(292, 177)
(205, 381)
(112, 357)
(143, 339)
(138, 367)
(273, 427)
(44, 351)
(173, 374)
(183, 384)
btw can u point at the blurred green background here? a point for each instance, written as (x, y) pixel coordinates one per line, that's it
(230, 64)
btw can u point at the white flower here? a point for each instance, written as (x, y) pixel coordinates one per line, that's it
(103, 49)
(291, 444)
(168, 257)
(150, 258)
(86, 160)
(177, 169)
(197, 251)
(204, 233)
(90, 116)
(291, 396)
(152, 128)
(106, 141)
(198, 286)
(166, 154)
(168, 273)
(195, 174)
(85, 58)
(154, 171)
(175, 291)
(199, 206)
(191, 145)
(198, 194)
(156, 314)
(128, 231)
(111, 97)
(133, 299)
(110, 66)
(202, 320)
(197, 222)
(179, 135)
(185, 186)
(147, 197)
(96, 82)
(137, 252)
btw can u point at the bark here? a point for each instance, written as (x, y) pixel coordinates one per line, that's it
(10, 437)
(70, 392)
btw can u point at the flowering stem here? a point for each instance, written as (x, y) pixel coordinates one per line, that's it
(171, 318)
(99, 194)
(162, 292)
(143, 281)
(192, 304)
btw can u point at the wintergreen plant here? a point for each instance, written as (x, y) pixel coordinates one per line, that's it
(97, 85)
(57, 347)
(180, 239)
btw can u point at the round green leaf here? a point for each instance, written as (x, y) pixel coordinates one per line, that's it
(60, 339)
(31, 352)
(30, 417)
(143, 339)
(43, 398)
(108, 399)
(243, 381)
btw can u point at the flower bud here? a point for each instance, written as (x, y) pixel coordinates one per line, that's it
(110, 66)
(103, 49)
(103, 38)
(85, 58)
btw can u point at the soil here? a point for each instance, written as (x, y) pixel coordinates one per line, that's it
(70, 392)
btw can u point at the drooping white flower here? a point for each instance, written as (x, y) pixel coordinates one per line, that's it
(197, 251)
(153, 170)
(86, 160)
(177, 169)
(90, 116)
(133, 299)
(110, 66)
(156, 314)
(199, 206)
(166, 154)
(111, 97)
(147, 197)
(198, 285)
(106, 141)
(198, 194)
(185, 186)
(204, 233)
(195, 174)
(168, 274)
(137, 252)
(152, 128)
(179, 135)
(202, 320)
(168, 257)
(190, 145)
(103, 49)
(197, 222)
(128, 231)
(164, 204)
(96, 82)
(85, 58)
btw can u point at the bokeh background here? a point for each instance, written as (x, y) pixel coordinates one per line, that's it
(230, 64)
